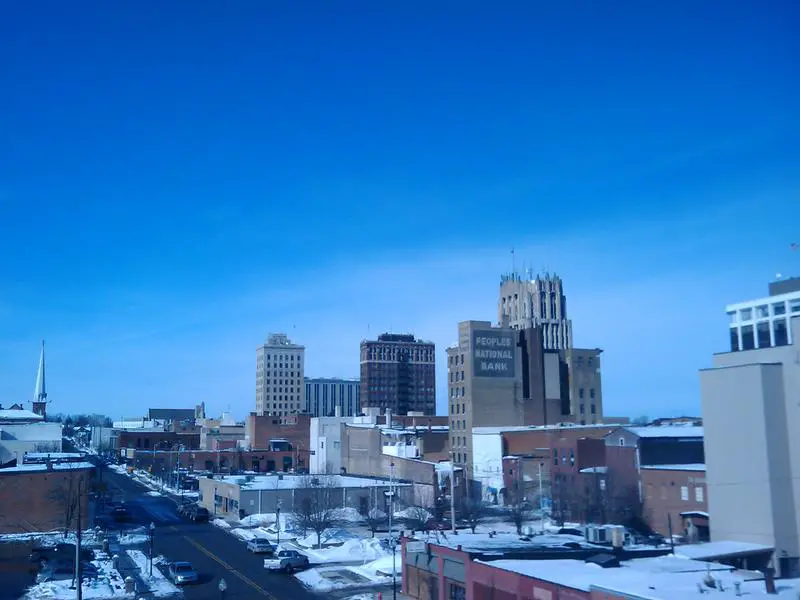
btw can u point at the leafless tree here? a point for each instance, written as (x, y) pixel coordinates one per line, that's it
(375, 517)
(564, 500)
(473, 511)
(67, 495)
(417, 518)
(316, 506)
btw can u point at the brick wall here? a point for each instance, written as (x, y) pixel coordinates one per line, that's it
(34, 501)
(164, 440)
(668, 493)
(225, 461)
(294, 428)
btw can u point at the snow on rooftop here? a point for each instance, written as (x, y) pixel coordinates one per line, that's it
(657, 578)
(667, 431)
(66, 466)
(501, 542)
(511, 428)
(288, 482)
(689, 467)
(709, 550)
(52, 455)
(595, 470)
(12, 414)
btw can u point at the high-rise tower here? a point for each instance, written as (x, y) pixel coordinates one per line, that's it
(539, 302)
(40, 391)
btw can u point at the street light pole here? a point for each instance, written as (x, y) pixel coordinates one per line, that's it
(222, 587)
(278, 519)
(391, 531)
(152, 533)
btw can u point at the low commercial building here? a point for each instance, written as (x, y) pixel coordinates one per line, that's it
(24, 431)
(482, 567)
(41, 497)
(675, 500)
(274, 432)
(234, 497)
(164, 462)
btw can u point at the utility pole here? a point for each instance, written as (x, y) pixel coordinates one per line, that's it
(671, 539)
(541, 497)
(78, 585)
(391, 531)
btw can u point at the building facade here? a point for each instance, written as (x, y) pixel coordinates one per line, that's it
(280, 381)
(675, 500)
(539, 302)
(326, 444)
(754, 486)
(398, 372)
(324, 396)
(764, 323)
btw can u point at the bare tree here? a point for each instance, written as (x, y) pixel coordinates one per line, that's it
(519, 513)
(375, 517)
(473, 511)
(417, 518)
(67, 495)
(316, 509)
(563, 500)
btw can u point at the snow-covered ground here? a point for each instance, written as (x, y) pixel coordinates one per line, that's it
(352, 550)
(158, 584)
(325, 579)
(347, 515)
(133, 537)
(108, 584)
(330, 537)
(51, 538)
(221, 523)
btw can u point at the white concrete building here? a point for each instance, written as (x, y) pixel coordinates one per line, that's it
(763, 323)
(23, 431)
(280, 384)
(326, 444)
(751, 419)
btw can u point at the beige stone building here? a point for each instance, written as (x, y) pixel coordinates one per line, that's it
(280, 382)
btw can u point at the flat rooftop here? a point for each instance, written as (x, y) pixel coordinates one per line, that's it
(483, 543)
(667, 431)
(722, 548)
(290, 482)
(33, 468)
(510, 428)
(659, 578)
(689, 467)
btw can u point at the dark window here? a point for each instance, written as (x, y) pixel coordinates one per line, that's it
(594, 409)
(763, 334)
(779, 330)
(555, 456)
(735, 339)
(591, 393)
(748, 339)
(580, 393)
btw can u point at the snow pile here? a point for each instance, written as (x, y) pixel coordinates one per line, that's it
(413, 512)
(377, 514)
(121, 469)
(347, 515)
(244, 534)
(350, 551)
(329, 537)
(325, 579)
(258, 520)
(158, 584)
(153, 493)
(108, 584)
(133, 539)
(221, 524)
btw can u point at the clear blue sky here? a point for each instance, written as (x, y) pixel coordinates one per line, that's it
(179, 179)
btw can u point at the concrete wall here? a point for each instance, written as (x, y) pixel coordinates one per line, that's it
(326, 443)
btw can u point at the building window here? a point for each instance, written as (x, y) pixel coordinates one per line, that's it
(457, 592)
(621, 441)
(763, 334)
(735, 339)
(794, 305)
(698, 494)
(591, 393)
(746, 314)
(732, 316)
(779, 309)
(555, 456)
(594, 409)
(572, 457)
(685, 493)
(762, 312)
(580, 393)
(780, 332)
(583, 409)
(748, 339)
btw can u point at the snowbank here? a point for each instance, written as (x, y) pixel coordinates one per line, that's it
(347, 515)
(133, 539)
(329, 537)
(413, 512)
(326, 579)
(158, 584)
(153, 493)
(351, 550)
(221, 524)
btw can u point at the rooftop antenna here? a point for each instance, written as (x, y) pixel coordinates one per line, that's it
(513, 264)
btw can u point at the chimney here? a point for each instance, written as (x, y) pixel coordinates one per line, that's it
(337, 411)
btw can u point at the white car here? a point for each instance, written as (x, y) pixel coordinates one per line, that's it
(260, 546)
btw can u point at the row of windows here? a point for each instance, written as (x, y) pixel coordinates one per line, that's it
(458, 441)
(455, 359)
(458, 424)
(762, 335)
(699, 493)
(458, 392)
(396, 354)
(593, 408)
(563, 456)
(591, 393)
(457, 408)
(456, 376)
(459, 456)
(764, 311)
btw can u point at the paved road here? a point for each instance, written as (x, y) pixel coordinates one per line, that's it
(213, 552)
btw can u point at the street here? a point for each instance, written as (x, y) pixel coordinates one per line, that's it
(214, 553)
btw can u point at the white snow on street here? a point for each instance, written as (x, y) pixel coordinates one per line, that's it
(107, 584)
(158, 584)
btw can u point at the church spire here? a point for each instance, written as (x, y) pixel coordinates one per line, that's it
(40, 392)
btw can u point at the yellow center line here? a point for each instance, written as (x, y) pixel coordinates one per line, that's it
(241, 576)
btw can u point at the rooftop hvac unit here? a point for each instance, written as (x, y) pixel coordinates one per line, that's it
(596, 535)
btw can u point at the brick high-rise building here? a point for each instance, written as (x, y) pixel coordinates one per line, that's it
(398, 372)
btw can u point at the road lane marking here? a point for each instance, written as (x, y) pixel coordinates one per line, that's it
(241, 576)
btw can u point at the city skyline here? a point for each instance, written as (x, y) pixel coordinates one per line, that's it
(167, 205)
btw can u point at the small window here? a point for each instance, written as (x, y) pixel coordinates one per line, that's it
(732, 316)
(580, 393)
(699, 495)
(622, 441)
(685, 493)
(555, 456)
(779, 309)
(762, 312)
(746, 314)
(591, 393)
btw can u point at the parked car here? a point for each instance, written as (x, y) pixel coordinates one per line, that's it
(58, 570)
(182, 573)
(286, 560)
(65, 552)
(260, 546)
(198, 513)
(185, 508)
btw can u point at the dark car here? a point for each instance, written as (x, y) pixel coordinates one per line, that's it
(185, 508)
(199, 514)
(182, 573)
(59, 552)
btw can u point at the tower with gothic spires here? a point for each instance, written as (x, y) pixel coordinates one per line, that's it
(40, 391)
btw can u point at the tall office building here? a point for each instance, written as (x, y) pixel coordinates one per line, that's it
(398, 372)
(763, 323)
(280, 365)
(324, 396)
(751, 418)
(539, 302)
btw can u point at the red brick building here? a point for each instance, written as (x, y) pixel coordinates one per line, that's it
(675, 496)
(158, 440)
(279, 433)
(36, 497)
(222, 461)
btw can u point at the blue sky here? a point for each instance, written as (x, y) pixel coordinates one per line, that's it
(176, 181)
